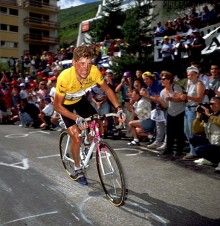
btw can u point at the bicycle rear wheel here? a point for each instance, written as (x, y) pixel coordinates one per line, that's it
(65, 153)
(111, 174)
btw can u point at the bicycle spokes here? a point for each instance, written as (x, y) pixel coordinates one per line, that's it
(111, 176)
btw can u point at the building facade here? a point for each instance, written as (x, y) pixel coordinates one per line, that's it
(28, 26)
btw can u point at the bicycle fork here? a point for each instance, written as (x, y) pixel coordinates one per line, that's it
(105, 155)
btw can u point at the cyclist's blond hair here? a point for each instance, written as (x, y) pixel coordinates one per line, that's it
(82, 51)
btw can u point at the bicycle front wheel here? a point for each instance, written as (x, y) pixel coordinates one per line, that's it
(111, 174)
(65, 152)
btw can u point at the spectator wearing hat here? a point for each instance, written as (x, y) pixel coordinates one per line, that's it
(46, 113)
(152, 93)
(195, 92)
(166, 51)
(153, 87)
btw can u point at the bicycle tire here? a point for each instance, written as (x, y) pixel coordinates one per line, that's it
(68, 165)
(107, 161)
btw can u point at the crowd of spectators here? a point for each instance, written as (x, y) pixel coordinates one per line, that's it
(196, 17)
(173, 117)
(159, 107)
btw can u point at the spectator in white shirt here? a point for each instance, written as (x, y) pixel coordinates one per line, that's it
(142, 124)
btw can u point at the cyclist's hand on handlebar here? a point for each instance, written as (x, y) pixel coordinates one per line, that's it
(81, 123)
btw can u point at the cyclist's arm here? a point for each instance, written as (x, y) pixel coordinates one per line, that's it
(58, 106)
(110, 94)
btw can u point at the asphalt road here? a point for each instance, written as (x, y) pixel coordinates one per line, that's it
(36, 190)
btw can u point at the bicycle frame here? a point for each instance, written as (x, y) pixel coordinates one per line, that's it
(94, 131)
(93, 125)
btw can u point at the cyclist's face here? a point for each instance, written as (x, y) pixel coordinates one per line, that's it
(83, 67)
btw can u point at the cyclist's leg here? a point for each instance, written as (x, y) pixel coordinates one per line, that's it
(74, 132)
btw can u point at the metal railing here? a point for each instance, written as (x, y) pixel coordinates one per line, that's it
(40, 22)
(40, 4)
(35, 38)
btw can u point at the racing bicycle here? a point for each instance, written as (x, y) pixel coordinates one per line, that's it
(109, 168)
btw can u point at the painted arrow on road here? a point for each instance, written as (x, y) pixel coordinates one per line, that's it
(20, 165)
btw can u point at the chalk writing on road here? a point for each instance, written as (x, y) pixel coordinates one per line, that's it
(20, 165)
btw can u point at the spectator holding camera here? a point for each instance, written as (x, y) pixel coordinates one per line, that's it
(206, 140)
(124, 88)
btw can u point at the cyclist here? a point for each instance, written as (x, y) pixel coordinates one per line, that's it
(70, 100)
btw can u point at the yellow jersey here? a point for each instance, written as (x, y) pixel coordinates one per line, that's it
(73, 90)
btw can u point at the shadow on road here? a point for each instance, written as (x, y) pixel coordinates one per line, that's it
(158, 212)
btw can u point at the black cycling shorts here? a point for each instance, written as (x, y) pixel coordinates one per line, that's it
(83, 108)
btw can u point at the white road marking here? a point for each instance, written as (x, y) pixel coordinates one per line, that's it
(148, 149)
(17, 135)
(76, 217)
(48, 156)
(157, 218)
(39, 132)
(129, 149)
(81, 210)
(148, 214)
(126, 149)
(20, 135)
(16, 165)
(28, 217)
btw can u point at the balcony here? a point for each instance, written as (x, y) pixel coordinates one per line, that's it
(42, 6)
(40, 39)
(40, 23)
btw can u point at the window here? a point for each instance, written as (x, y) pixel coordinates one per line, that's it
(3, 27)
(2, 43)
(45, 2)
(3, 10)
(9, 44)
(13, 12)
(13, 28)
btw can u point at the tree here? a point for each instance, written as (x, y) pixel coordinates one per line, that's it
(109, 26)
(137, 27)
